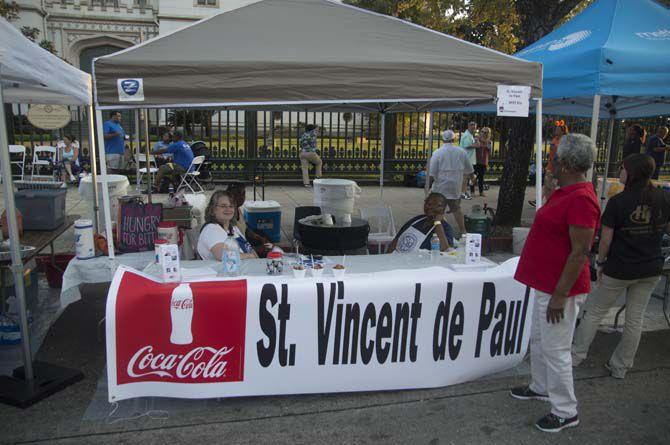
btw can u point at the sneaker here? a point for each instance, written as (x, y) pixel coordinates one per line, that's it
(551, 423)
(72, 178)
(464, 196)
(615, 372)
(525, 393)
(307, 186)
(468, 196)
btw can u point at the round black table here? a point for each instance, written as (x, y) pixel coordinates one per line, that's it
(338, 239)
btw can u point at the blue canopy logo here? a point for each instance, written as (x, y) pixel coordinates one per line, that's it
(569, 40)
(130, 86)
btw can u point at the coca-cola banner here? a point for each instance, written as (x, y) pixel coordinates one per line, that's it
(280, 335)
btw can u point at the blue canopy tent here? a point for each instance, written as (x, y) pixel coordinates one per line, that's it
(617, 50)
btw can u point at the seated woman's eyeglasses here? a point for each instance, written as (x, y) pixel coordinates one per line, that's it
(225, 206)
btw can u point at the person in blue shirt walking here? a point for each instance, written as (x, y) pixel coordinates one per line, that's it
(115, 138)
(182, 156)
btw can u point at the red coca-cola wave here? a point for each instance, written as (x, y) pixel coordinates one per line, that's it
(144, 352)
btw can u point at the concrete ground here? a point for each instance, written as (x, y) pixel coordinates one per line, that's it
(612, 411)
(630, 411)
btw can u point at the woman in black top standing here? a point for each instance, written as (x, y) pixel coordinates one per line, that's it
(634, 141)
(629, 259)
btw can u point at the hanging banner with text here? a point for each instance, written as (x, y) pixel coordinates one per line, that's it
(279, 335)
(513, 100)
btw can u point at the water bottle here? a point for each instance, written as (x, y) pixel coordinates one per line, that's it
(231, 259)
(434, 247)
(171, 191)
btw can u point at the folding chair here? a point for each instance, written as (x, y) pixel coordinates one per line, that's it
(19, 150)
(382, 225)
(39, 163)
(153, 167)
(190, 178)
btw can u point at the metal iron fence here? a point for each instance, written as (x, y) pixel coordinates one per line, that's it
(243, 144)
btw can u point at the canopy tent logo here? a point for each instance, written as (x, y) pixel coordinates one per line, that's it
(661, 34)
(556, 44)
(569, 40)
(130, 90)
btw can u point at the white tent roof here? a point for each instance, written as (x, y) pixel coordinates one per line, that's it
(31, 74)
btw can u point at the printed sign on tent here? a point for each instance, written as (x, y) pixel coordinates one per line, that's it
(130, 90)
(390, 330)
(513, 100)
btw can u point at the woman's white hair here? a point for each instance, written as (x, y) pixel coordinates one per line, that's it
(576, 152)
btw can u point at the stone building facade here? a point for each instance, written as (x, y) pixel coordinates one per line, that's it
(84, 29)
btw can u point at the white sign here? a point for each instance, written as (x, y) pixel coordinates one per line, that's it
(391, 330)
(130, 90)
(49, 117)
(513, 100)
(473, 248)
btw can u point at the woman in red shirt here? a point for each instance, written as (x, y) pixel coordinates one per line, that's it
(554, 263)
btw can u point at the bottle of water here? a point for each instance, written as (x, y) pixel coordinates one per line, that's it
(230, 257)
(171, 191)
(434, 247)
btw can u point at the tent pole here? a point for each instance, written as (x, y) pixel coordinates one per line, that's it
(94, 167)
(105, 188)
(147, 151)
(17, 263)
(594, 130)
(426, 186)
(610, 134)
(381, 164)
(138, 150)
(538, 153)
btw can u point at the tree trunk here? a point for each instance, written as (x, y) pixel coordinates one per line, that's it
(515, 172)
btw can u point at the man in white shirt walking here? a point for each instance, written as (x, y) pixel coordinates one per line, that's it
(447, 167)
(468, 142)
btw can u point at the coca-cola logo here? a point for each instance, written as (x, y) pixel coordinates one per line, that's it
(186, 303)
(199, 363)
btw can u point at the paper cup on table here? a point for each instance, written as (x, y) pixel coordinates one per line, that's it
(317, 272)
(299, 273)
(339, 272)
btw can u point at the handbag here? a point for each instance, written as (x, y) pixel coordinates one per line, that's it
(137, 224)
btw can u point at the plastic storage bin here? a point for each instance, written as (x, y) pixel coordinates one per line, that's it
(41, 209)
(264, 217)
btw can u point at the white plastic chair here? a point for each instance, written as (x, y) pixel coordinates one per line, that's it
(39, 163)
(153, 167)
(190, 178)
(18, 150)
(382, 225)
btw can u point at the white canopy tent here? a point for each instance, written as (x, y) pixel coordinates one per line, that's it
(317, 55)
(30, 74)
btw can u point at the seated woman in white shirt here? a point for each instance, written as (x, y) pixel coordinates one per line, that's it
(416, 232)
(220, 229)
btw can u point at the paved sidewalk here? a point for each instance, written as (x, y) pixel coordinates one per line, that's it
(612, 411)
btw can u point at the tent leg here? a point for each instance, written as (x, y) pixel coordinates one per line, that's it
(538, 154)
(426, 186)
(105, 189)
(381, 163)
(147, 151)
(94, 166)
(594, 130)
(34, 381)
(138, 150)
(610, 134)
(17, 263)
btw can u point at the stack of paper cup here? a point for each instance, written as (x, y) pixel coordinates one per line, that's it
(83, 239)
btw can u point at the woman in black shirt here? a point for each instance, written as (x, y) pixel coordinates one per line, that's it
(629, 259)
